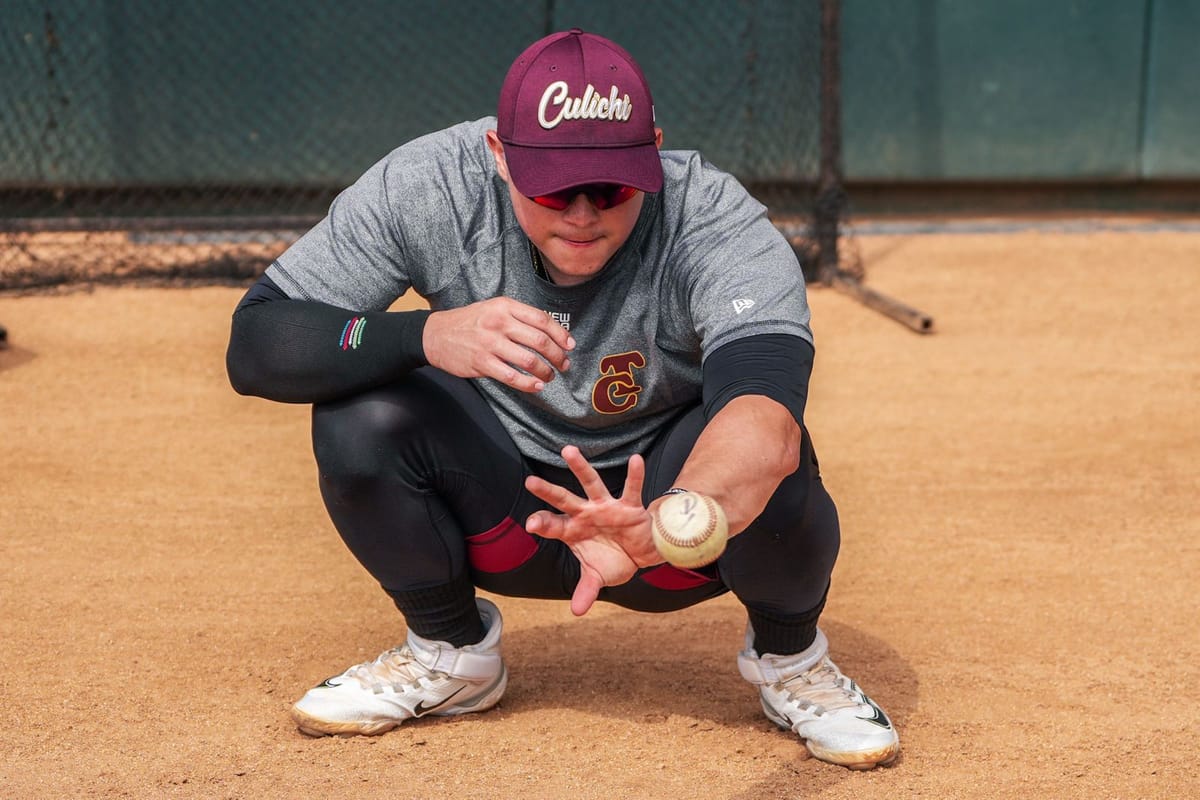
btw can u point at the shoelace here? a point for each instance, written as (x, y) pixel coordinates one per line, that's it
(394, 669)
(822, 689)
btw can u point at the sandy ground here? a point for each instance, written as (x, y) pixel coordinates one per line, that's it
(1017, 585)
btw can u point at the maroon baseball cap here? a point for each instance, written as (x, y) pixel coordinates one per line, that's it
(575, 109)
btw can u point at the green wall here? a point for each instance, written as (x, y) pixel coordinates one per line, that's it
(1171, 135)
(1019, 89)
(217, 92)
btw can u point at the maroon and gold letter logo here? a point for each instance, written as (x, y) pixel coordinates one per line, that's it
(617, 390)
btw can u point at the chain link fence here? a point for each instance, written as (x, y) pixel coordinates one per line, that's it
(193, 141)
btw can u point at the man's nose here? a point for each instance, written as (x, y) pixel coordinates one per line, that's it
(581, 210)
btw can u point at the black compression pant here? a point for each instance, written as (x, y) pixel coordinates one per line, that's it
(427, 490)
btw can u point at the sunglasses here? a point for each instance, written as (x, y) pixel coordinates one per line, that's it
(602, 195)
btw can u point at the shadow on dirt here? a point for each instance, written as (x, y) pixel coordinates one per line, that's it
(12, 357)
(644, 666)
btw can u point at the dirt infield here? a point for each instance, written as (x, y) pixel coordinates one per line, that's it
(1017, 584)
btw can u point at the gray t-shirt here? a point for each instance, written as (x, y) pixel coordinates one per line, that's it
(703, 267)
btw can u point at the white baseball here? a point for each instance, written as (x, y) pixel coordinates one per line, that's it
(690, 529)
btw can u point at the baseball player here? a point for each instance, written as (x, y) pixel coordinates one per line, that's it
(607, 322)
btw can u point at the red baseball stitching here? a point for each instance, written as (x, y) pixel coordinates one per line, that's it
(671, 538)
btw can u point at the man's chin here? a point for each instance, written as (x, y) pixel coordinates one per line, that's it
(579, 270)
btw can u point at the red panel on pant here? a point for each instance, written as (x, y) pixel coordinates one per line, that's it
(674, 578)
(503, 548)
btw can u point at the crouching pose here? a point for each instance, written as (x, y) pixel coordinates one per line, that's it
(608, 321)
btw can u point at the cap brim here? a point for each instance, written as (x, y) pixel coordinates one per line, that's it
(540, 170)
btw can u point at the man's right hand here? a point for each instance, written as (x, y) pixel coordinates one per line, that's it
(516, 344)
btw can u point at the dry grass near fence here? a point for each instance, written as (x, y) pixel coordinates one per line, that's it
(37, 262)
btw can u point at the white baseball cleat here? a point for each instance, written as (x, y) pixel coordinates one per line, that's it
(420, 678)
(808, 694)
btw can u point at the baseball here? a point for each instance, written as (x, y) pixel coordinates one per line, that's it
(690, 529)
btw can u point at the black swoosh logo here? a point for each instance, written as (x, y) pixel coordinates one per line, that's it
(877, 717)
(421, 709)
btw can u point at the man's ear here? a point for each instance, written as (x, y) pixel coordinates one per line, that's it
(497, 147)
(658, 138)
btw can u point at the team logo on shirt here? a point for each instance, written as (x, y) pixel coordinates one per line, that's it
(617, 390)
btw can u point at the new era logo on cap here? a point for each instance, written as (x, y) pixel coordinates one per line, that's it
(575, 109)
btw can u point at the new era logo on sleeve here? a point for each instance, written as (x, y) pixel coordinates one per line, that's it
(741, 304)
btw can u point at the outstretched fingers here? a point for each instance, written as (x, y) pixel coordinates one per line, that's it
(586, 591)
(557, 496)
(589, 479)
(547, 525)
(635, 479)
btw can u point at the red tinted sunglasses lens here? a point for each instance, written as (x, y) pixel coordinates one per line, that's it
(611, 195)
(558, 201)
(602, 195)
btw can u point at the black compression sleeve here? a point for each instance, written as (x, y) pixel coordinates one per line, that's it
(776, 365)
(301, 351)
